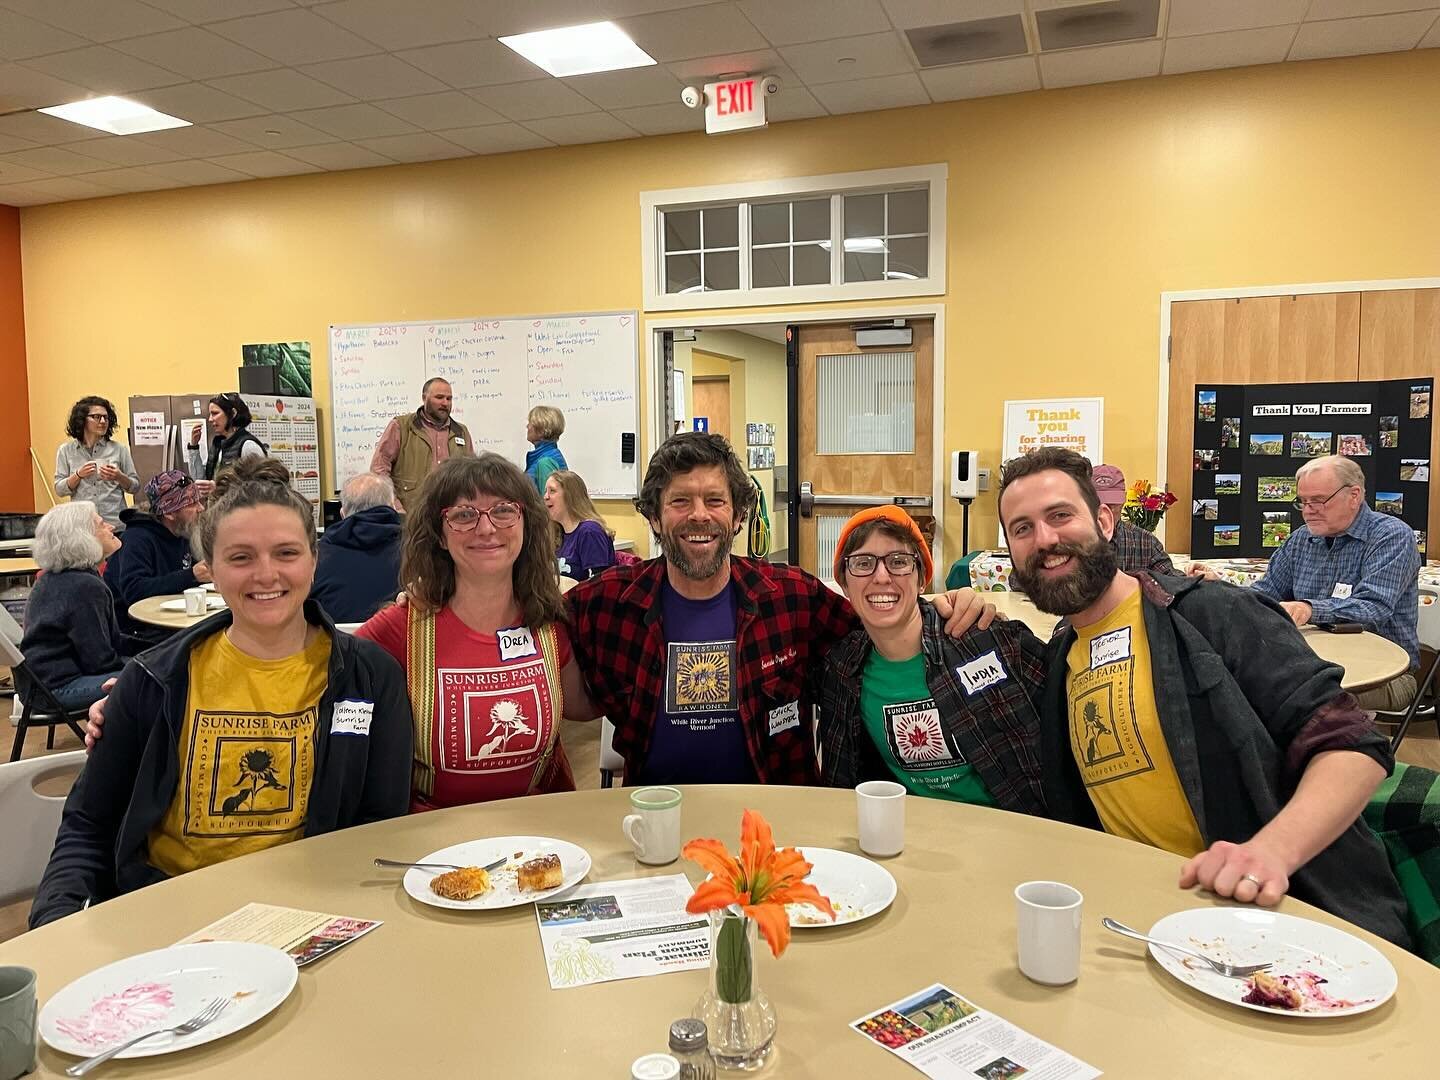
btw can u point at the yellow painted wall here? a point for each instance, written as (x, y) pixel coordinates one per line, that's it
(1069, 213)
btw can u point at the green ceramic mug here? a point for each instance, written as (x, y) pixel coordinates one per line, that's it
(17, 1022)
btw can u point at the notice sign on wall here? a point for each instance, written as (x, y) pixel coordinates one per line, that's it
(1074, 423)
(147, 429)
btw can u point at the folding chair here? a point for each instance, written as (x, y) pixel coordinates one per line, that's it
(1429, 628)
(611, 763)
(31, 819)
(41, 707)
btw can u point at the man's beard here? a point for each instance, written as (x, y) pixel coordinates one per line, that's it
(1092, 570)
(677, 555)
(437, 416)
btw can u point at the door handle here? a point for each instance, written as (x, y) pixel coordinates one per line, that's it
(807, 499)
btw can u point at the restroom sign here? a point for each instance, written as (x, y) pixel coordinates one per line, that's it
(735, 105)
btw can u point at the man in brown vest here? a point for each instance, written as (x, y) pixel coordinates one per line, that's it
(415, 443)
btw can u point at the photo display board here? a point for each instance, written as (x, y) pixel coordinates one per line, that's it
(1250, 440)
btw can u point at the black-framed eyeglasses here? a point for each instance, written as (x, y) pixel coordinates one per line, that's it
(98, 416)
(1315, 504)
(503, 515)
(897, 563)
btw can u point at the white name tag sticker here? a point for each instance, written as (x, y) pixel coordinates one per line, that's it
(352, 717)
(1342, 591)
(784, 718)
(459, 441)
(1110, 648)
(516, 643)
(979, 674)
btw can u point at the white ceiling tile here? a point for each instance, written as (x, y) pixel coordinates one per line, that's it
(10, 142)
(196, 53)
(196, 141)
(404, 25)
(663, 119)
(793, 102)
(1238, 48)
(434, 112)
(131, 180)
(41, 129)
(866, 95)
(533, 100)
(294, 37)
(497, 138)
(355, 121)
(264, 163)
(20, 195)
(1102, 63)
(25, 88)
(64, 188)
(571, 130)
(630, 88)
(1215, 16)
(1355, 37)
(198, 103)
(371, 77)
(848, 58)
(208, 11)
(1013, 75)
(908, 14)
(473, 63)
(14, 172)
(98, 20)
(421, 146)
(698, 31)
(285, 90)
(55, 160)
(335, 157)
(814, 20)
(104, 70)
(709, 68)
(21, 36)
(124, 150)
(272, 132)
(197, 172)
(1321, 10)
(1432, 39)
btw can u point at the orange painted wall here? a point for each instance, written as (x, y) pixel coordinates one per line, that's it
(16, 489)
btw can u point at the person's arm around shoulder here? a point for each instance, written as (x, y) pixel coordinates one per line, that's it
(392, 738)
(82, 863)
(386, 450)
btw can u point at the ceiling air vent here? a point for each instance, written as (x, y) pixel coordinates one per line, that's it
(1072, 26)
(962, 42)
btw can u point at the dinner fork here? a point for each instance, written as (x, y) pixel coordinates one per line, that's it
(395, 864)
(1232, 971)
(207, 1015)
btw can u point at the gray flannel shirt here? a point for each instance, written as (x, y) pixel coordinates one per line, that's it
(107, 495)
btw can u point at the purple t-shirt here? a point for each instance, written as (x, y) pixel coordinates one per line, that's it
(698, 738)
(587, 550)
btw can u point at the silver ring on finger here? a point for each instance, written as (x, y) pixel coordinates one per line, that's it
(1251, 877)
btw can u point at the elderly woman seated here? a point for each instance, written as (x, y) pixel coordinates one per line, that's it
(900, 700)
(71, 641)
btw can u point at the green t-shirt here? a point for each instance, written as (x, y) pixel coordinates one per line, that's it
(901, 719)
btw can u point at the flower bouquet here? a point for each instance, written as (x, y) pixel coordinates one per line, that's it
(1145, 507)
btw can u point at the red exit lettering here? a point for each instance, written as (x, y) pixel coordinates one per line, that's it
(736, 97)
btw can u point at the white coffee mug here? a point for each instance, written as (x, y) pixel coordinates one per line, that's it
(881, 808)
(1047, 916)
(654, 828)
(194, 601)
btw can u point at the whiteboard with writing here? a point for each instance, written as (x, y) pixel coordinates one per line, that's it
(584, 365)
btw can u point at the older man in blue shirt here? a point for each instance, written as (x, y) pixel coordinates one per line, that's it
(1348, 563)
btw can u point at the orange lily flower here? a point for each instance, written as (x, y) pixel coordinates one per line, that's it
(761, 883)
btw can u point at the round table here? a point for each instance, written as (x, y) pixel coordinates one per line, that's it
(149, 611)
(441, 993)
(1369, 660)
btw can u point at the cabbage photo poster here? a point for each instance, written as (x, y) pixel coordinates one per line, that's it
(1075, 423)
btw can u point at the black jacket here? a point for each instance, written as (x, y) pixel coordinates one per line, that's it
(358, 566)
(152, 561)
(132, 776)
(70, 629)
(225, 450)
(1244, 704)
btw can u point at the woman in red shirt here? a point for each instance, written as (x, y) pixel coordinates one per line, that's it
(482, 638)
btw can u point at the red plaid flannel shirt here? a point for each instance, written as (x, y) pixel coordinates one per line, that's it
(786, 620)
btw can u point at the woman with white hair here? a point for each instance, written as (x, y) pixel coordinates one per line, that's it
(71, 640)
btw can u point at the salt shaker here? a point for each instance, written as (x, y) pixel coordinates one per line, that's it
(655, 1067)
(689, 1045)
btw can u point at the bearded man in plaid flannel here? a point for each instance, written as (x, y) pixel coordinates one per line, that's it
(706, 662)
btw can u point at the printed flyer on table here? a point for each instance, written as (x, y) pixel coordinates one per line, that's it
(947, 1037)
(622, 930)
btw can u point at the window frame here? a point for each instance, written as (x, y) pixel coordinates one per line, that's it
(654, 204)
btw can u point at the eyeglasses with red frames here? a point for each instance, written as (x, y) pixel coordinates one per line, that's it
(503, 515)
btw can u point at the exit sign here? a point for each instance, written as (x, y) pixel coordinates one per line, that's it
(736, 105)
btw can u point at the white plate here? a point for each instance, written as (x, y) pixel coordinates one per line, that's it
(163, 988)
(503, 891)
(212, 603)
(1354, 971)
(856, 888)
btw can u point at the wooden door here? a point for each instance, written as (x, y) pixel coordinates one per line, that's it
(711, 394)
(1264, 339)
(866, 431)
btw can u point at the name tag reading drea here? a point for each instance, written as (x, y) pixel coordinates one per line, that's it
(516, 643)
(1110, 648)
(979, 674)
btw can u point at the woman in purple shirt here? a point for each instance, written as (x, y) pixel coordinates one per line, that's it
(585, 542)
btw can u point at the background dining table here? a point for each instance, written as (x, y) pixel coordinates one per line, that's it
(152, 610)
(448, 993)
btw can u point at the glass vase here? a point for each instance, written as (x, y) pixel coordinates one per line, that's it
(737, 1014)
